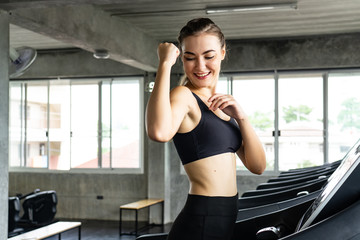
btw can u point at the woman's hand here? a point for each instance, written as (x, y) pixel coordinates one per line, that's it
(227, 104)
(168, 53)
(251, 152)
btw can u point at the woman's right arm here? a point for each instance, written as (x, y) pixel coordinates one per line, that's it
(164, 113)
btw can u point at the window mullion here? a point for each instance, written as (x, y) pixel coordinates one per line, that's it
(100, 127)
(25, 124)
(276, 123)
(326, 117)
(110, 133)
(48, 125)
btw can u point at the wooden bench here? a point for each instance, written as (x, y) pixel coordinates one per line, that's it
(136, 206)
(49, 230)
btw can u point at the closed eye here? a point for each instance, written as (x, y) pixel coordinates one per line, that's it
(209, 57)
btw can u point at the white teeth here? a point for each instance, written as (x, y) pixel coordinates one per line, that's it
(202, 75)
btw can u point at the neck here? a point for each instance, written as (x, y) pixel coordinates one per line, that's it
(206, 92)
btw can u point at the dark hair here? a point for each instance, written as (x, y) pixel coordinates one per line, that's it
(198, 26)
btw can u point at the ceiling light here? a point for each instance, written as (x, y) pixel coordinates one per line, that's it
(249, 8)
(101, 54)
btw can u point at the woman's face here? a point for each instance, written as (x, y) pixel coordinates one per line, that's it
(202, 55)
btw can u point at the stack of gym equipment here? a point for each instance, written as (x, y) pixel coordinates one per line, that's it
(38, 209)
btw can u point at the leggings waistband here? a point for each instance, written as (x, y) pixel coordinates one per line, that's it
(208, 205)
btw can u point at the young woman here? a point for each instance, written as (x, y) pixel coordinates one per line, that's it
(208, 129)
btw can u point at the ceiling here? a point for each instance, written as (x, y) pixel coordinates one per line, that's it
(54, 24)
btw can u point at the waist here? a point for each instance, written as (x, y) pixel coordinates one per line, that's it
(211, 205)
(213, 176)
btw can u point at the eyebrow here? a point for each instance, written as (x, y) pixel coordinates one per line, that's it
(191, 53)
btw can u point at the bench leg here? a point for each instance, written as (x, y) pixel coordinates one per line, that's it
(162, 215)
(120, 223)
(136, 223)
(79, 232)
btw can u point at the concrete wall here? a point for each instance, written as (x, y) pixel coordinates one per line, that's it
(4, 122)
(162, 176)
(77, 193)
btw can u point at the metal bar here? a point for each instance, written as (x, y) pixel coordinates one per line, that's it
(136, 223)
(120, 223)
(99, 135)
(277, 131)
(326, 116)
(162, 215)
(26, 125)
(48, 126)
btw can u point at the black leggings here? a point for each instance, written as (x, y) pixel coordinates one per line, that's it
(205, 218)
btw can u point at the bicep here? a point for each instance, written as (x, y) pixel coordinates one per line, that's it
(179, 110)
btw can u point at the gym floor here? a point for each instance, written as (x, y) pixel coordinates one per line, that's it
(108, 230)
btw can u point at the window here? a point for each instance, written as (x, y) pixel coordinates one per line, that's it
(59, 125)
(255, 94)
(84, 124)
(300, 121)
(344, 113)
(125, 124)
(17, 128)
(76, 124)
(316, 115)
(36, 125)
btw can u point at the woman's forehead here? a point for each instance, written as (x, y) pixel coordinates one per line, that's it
(201, 43)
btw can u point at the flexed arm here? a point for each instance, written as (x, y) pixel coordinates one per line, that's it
(164, 113)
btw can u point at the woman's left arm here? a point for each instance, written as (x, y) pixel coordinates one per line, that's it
(251, 152)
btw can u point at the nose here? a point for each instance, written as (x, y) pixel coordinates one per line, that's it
(200, 63)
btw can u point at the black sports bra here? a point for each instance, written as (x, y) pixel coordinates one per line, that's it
(210, 137)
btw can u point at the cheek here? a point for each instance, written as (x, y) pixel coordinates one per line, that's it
(215, 65)
(188, 66)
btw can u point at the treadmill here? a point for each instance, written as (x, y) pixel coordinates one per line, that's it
(333, 215)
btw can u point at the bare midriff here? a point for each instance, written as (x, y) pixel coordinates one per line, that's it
(213, 176)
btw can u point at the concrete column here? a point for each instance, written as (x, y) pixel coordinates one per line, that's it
(155, 166)
(4, 123)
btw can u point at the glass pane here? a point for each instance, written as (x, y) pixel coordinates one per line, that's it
(300, 121)
(223, 85)
(256, 97)
(36, 114)
(59, 125)
(106, 124)
(126, 124)
(17, 129)
(344, 113)
(84, 124)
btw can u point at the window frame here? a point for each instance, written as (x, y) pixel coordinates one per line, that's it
(275, 73)
(139, 170)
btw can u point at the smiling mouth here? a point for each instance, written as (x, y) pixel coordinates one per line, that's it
(201, 75)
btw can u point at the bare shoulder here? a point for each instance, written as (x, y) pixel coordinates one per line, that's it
(181, 93)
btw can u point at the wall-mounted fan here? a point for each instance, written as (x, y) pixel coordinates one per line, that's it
(21, 59)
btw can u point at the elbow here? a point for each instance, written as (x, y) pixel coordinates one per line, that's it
(157, 136)
(261, 163)
(259, 170)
